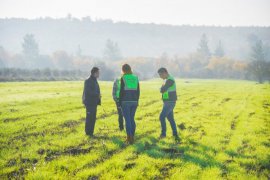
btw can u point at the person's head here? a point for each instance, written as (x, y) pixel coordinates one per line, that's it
(126, 69)
(95, 72)
(163, 73)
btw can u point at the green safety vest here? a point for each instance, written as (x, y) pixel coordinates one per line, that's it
(165, 95)
(131, 82)
(118, 83)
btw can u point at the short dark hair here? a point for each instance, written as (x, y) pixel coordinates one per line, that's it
(94, 70)
(162, 70)
(126, 69)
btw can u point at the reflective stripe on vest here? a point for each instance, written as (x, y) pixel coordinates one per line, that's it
(172, 88)
(131, 82)
(118, 84)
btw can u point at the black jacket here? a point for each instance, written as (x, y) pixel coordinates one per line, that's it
(130, 95)
(91, 92)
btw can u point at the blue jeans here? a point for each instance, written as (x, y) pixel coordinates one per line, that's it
(129, 110)
(167, 112)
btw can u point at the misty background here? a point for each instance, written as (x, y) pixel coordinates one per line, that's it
(66, 48)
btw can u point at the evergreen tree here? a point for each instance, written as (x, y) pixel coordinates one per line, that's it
(112, 51)
(30, 46)
(258, 64)
(219, 52)
(203, 46)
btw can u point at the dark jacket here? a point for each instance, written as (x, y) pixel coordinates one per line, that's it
(91, 92)
(130, 95)
(165, 87)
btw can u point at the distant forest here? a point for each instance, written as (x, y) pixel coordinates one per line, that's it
(72, 46)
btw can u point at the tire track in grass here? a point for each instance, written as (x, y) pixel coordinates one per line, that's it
(115, 151)
(259, 167)
(173, 151)
(30, 164)
(72, 150)
(127, 166)
(55, 130)
(51, 155)
(7, 120)
(111, 153)
(228, 137)
(59, 129)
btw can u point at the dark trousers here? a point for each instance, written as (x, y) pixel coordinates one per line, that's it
(167, 112)
(91, 114)
(129, 110)
(120, 116)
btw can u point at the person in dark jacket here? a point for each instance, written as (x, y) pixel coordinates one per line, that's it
(91, 99)
(128, 98)
(169, 97)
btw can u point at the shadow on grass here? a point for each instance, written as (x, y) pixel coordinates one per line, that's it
(189, 151)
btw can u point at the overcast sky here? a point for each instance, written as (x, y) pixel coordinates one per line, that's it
(177, 12)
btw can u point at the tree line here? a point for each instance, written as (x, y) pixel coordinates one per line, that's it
(31, 65)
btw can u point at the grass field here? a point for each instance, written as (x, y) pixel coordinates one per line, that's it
(224, 126)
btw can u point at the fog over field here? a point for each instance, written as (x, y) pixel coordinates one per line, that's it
(59, 40)
(147, 40)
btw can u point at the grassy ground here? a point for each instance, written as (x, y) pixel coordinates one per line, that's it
(224, 126)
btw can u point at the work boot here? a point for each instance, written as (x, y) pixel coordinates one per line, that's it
(128, 139)
(162, 136)
(91, 136)
(131, 139)
(177, 139)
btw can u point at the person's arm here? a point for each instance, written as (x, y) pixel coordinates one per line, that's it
(114, 90)
(138, 90)
(167, 85)
(121, 90)
(83, 95)
(98, 92)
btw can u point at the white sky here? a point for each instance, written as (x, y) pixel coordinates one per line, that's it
(177, 12)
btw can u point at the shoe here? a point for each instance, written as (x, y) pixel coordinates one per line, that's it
(131, 140)
(177, 139)
(91, 135)
(162, 136)
(128, 139)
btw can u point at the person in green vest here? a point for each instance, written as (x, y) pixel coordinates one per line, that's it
(128, 98)
(116, 94)
(169, 97)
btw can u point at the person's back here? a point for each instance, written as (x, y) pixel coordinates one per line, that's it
(131, 93)
(129, 97)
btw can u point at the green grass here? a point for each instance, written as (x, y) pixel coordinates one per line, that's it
(224, 126)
